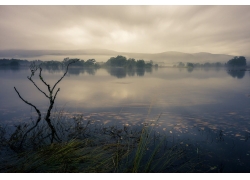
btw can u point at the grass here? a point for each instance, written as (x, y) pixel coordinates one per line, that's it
(91, 148)
(74, 156)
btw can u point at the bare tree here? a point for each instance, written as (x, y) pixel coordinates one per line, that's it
(51, 95)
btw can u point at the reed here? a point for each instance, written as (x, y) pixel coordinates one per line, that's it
(91, 148)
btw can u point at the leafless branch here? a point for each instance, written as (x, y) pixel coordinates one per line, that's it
(37, 110)
(37, 87)
(41, 78)
(56, 94)
(67, 67)
(33, 68)
(37, 121)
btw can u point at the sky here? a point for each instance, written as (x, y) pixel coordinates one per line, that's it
(144, 29)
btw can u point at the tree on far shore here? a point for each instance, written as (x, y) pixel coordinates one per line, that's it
(237, 61)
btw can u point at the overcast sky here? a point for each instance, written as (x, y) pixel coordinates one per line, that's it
(150, 29)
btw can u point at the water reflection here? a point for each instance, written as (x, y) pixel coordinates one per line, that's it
(239, 74)
(78, 71)
(204, 69)
(124, 72)
(72, 70)
(198, 106)
(168, 89)
(190, 69)
(12, 68)
(235, 73)
(140, 72)
(118, 72)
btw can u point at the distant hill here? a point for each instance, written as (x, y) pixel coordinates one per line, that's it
(170, 57)
(175, 57)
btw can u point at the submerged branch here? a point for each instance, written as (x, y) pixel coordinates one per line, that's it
(38, 119)
(37, 110)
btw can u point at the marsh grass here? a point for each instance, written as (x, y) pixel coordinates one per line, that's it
(73, 156)
(88, 147)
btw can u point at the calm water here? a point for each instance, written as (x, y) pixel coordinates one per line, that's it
(208, 108)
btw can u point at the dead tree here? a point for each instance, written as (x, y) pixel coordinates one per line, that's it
(51, 95)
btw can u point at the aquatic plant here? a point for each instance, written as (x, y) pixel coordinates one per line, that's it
(88, 147)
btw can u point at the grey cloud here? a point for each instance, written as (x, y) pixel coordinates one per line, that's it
(215, 29)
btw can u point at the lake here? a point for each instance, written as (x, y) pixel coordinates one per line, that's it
(208, 108)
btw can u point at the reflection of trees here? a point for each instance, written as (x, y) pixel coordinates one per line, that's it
(239, 74)
(148, 70)
(140, 71)
(53, 69)
(118, 72)
(72, 71)
(123, 72)
(75, 71)
(80, 70)
(91, 71)
(156, 68)
(12, 68)
(217, 68)
(131, 71)
(206, 68)
(190, 69)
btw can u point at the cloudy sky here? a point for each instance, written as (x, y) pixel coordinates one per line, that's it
(151, 29)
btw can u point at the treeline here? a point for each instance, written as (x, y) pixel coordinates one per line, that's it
(47, 64)
(121, 61)
(200, 65)
(13, 62)
(79, 63)
(237, 61)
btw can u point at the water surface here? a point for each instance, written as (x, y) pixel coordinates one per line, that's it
(210, 108)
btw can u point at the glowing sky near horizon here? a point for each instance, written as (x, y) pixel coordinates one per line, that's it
(146, 29)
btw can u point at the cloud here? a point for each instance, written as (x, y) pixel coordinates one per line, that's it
(215, 29)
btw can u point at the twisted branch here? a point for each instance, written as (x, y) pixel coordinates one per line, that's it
(41, 78)
(64, 74)
(37, 86)
(37, 110)
(33, 69)
(37, 121)
(56, 94)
